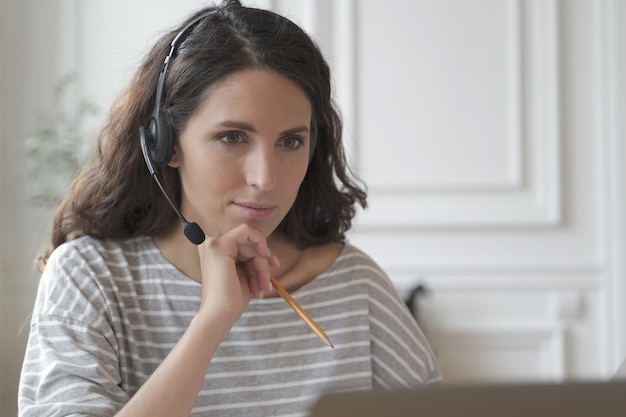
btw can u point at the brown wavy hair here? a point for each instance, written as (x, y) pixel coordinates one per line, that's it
(113, 196)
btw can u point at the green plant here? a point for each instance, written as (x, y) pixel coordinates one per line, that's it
(57, 147)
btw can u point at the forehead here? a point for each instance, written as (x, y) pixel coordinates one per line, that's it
(254, 90)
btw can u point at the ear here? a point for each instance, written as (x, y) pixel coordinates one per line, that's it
(175, 159)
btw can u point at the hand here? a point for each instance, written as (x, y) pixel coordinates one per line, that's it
(235, 268)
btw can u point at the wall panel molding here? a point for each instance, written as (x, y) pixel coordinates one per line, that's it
(530, 195)
(610, 83)
(504, 281)
(530, 351)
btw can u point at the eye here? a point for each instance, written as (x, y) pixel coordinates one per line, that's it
(292, 142)
(231, 138)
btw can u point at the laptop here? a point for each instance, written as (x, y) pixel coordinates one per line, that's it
(584, 399)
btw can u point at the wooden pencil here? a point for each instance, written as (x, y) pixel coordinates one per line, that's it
(300, 311)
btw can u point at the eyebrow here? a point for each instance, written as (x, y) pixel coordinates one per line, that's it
(249, 128)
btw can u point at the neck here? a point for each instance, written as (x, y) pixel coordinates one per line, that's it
(297, 266)
(179, 251)
(183, 254)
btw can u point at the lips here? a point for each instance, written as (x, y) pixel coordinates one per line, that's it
(255, 211)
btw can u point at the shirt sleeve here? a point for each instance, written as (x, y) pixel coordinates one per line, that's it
(401, 355)
(70, 367)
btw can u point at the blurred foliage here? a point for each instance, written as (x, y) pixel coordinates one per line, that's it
(56, 150)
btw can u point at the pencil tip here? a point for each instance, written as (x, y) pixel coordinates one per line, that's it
(328, 342)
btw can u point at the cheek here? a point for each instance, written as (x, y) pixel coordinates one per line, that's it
(202, 174)
(294, 182)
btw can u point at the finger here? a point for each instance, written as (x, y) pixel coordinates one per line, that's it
(259, 276)
(249, 276)
(266, 285)
(247, 247)
(273, 261)
(250, 242)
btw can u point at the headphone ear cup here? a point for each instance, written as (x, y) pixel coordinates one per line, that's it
(162, 144)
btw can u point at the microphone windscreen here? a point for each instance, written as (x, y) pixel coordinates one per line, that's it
(194, 233)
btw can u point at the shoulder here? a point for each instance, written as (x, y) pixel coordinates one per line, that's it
(357, 273)
(104, 247)
(355, 264)
(87, 279)
(90, 267)
(106, 263)
(362, 274)
(93, 253)
(401, 351)
(354, 256)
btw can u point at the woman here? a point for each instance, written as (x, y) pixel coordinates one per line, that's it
(138, 314)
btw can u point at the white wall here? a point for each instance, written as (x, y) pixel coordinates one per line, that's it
(487, 131)
(617, 130)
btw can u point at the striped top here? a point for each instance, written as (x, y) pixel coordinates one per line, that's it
(108, 312)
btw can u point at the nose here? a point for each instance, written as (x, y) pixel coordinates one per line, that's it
(261, 168)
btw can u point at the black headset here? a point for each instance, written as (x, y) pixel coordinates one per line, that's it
(157, 140)
(159, 134)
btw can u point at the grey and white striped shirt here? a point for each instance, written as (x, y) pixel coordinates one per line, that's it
(108, 312)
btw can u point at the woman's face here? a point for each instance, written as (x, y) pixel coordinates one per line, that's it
(244, 153)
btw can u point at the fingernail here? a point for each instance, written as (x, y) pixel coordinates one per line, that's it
(261, 294)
